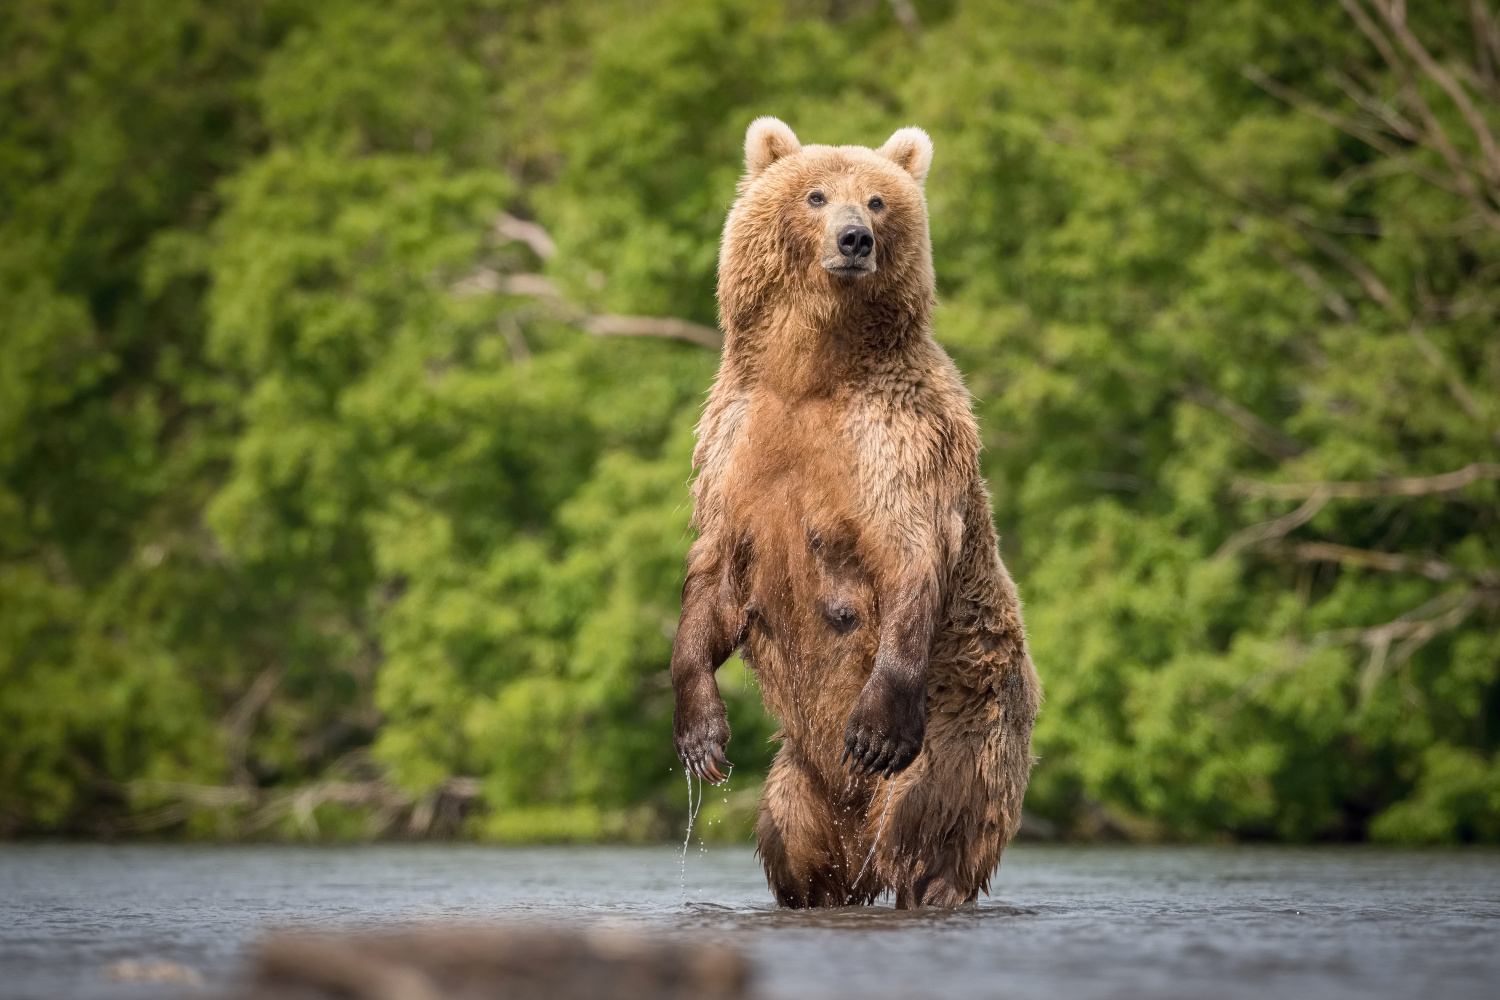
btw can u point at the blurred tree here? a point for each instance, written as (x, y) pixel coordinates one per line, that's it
(1187, 251)
(321, 512)
(118, 121)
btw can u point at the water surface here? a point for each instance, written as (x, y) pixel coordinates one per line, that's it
(1064, 922)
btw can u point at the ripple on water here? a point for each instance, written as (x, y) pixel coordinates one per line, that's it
(1064, 922)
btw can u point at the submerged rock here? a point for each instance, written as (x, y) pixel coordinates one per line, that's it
(511, 962)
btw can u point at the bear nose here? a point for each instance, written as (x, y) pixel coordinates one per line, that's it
(856, 241)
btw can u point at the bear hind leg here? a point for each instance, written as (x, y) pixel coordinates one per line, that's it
(935, 890)
(802, 842)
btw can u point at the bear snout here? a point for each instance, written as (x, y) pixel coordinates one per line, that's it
(848, 243)
(856, 241)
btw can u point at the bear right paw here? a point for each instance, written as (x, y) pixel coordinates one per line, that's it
(700, 739)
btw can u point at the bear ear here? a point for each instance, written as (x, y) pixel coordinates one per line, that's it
(768, 140)
(911, 150)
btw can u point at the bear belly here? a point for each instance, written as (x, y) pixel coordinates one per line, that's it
(812, 622)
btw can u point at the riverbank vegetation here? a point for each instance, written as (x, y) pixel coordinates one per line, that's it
(350, 355)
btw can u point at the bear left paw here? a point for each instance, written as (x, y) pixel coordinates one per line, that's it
(885, 729)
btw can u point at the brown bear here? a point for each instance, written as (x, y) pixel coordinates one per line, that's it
(846, 543)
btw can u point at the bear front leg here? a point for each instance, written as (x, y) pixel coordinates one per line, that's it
(886, 727)
(712, 627)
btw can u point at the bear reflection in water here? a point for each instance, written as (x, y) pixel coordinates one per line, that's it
(846, 543)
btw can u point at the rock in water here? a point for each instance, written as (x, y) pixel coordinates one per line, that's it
(475, 963)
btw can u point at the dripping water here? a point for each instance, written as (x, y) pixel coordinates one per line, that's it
(702, 841)
(692, 814)
(889, 787)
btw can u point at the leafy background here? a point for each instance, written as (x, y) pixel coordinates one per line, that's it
(328, 509)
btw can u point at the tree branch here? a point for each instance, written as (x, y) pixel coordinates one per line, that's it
(269, 808)
(1434, 136)
(1393, 487)
(1274, 530)
(653, 326)
(1395, 18)
(1349, 126)
(1266, 439)
(241, 720)
(1414, 633)
(1373, 286)
(1456, 386)
(1486, 46)
(488, 281)
(484, 280)
(1389, 562)
(508, 227)
(1378, 109)
(1308, 275)
(906, 16)
(1452, 609)
(1377, 290)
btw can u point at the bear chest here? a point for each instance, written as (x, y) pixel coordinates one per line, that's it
(796, 503)
(794, 466)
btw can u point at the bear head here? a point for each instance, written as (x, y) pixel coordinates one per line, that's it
(826, 226)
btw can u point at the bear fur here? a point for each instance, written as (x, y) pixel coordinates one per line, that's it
(846, 543)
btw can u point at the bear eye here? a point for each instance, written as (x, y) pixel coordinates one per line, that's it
(816, 199)
(877, 203)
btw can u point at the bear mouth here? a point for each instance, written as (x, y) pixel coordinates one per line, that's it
(851, 269)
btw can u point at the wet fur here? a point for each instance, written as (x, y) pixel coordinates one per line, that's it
(846, 545)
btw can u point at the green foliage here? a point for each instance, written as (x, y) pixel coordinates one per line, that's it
(306, 529)
(1155, 322)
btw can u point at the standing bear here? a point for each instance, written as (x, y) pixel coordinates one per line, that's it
(846, 543)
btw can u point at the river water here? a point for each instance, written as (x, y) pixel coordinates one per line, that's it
(1064, 922)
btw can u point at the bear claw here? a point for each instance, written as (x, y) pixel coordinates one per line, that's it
(700, 737)
(867, 755)
(712, 767)
(885, 730)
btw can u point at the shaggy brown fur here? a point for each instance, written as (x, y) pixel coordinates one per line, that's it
(846, 543)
